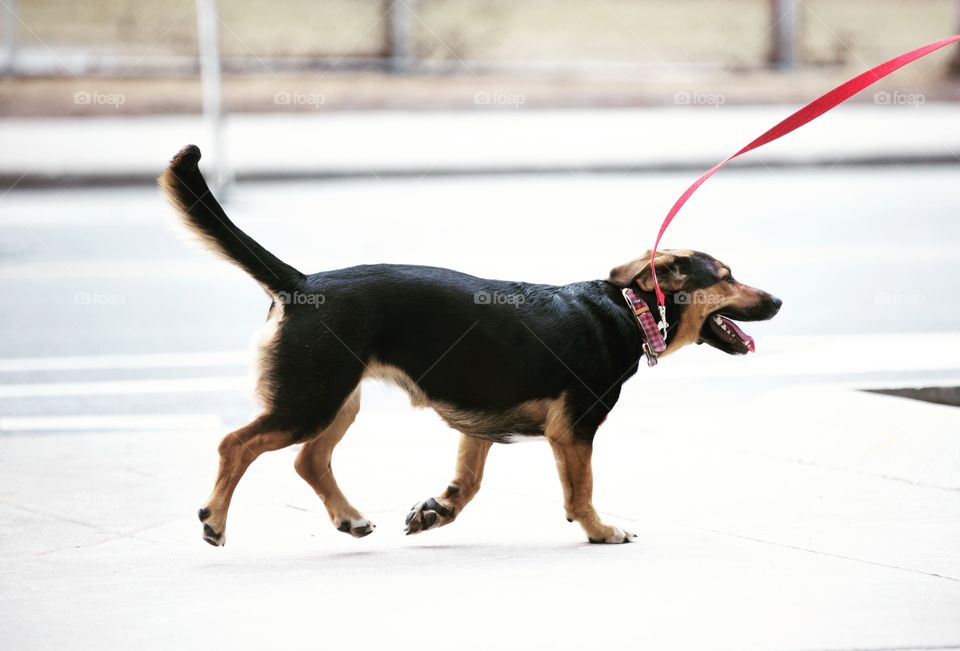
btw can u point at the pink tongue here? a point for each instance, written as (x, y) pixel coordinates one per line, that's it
(744, 337)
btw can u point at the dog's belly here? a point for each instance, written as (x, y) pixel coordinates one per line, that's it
(508, 426)
(524, 421)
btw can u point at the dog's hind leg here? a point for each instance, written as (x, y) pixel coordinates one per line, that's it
(314, 465)
(437, 511)
(237, 451)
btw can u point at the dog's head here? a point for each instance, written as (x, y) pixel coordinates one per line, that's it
(703, 299)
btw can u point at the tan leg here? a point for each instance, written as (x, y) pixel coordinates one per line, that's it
(237, 451)
(573, 458)
(314, 465)
(437, 511)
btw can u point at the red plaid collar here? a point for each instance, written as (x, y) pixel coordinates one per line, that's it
(654, 342)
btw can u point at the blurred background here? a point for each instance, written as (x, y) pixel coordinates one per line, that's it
(524, 139)
(438, 54)
(529, 139)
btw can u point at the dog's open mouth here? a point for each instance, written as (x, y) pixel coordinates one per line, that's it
(722, 332)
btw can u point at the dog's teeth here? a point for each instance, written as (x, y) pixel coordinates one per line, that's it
(718, 320)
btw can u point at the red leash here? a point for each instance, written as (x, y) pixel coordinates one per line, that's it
(811, 111)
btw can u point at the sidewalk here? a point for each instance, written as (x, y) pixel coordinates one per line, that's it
(276, 146)
(774, 518)
(776, 507)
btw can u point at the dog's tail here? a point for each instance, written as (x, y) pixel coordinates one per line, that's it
(187, 191)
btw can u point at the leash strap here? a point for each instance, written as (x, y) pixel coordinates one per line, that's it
(653, 341)
(811, 111)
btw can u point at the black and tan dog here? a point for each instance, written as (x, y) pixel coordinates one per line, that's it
(497, 360)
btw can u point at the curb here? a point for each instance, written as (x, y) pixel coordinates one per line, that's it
(44, 180)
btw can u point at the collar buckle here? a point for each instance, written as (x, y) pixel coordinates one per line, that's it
(654, 333)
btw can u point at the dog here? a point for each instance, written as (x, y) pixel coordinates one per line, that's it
(498, 361)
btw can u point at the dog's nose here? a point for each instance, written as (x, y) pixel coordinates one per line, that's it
(777, 303)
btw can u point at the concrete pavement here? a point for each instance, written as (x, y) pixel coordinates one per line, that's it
(379, 144)
(786, 518)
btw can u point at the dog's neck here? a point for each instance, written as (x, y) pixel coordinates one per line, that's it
(673, 311)
(652, 324)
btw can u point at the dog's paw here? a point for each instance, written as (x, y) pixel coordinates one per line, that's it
(356, 527)
(614, 536)
(428, 514)
(214, 536)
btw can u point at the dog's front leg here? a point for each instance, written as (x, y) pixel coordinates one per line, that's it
(576, 476)
(437, 511)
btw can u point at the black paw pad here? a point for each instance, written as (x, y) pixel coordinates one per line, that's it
(212, 536)
(433, 505)
(427, 514)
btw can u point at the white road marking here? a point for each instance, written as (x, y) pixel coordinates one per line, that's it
(98, 362)
(783, 357)
(797, 357)
(164, 422)
(125, 387)
(85, 270)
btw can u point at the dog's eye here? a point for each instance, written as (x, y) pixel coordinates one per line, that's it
(730, 280)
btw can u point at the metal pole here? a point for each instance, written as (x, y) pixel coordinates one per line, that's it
(784, 19)
(400, 36)
(9, 61)
(208, 34)
(954, 68)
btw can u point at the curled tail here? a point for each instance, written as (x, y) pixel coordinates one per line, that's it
(187, 191)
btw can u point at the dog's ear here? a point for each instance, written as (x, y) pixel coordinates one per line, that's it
(637, 272)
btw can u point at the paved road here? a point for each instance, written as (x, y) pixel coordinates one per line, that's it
(102, 272)
(771, 515)
(94, 272)
(381, 143)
